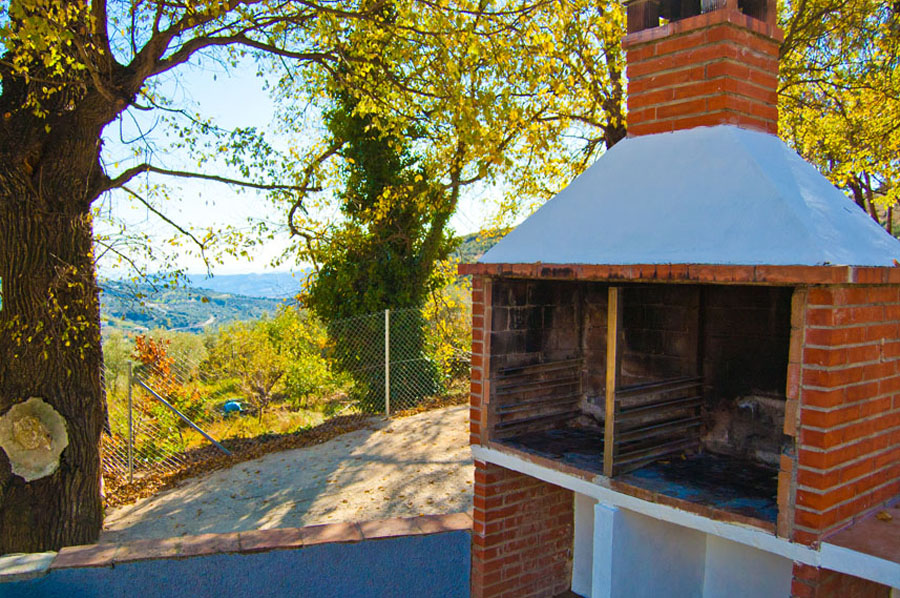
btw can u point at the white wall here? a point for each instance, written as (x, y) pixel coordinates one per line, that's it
(635, 556)
(583, 549)
(737, 571)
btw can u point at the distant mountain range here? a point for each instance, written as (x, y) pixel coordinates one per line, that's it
(208, 302)
(274, 285)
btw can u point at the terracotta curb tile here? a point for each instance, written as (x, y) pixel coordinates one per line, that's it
(389, 528)
(435, 524)
(331, 533)
(261, 540)
(204, 544)
(89, 555)
(142, 550)
(870, 535)
(106, 555)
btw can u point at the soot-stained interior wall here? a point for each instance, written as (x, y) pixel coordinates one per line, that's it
(746, 339)
(534, 321)
(735, 337)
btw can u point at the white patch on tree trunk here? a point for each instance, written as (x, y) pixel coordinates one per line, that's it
(33, 436)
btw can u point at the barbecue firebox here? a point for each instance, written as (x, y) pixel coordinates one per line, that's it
(691, 354)
(697, 374)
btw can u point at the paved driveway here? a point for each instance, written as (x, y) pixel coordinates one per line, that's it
(399, 468)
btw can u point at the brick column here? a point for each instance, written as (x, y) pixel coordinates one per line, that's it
(849, 449)
(810, 582)
(481, 333)
(711, 69)
(848, 461)
(522, 535)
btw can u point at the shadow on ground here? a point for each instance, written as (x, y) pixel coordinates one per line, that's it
(398, 468)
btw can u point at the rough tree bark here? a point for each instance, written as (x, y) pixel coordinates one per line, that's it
(60, 85)
(50, 321)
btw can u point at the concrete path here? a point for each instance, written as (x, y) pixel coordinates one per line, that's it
(399, 468)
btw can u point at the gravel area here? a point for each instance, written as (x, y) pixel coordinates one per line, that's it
(416, 465)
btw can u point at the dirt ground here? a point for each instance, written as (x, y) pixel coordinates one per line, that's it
(398, 468)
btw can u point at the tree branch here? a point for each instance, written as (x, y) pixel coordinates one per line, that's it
(308, 173)
(98, 12)
(192, 46)
(171, 223)
(127, 175)
(107, 248)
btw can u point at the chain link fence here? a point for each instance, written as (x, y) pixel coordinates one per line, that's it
(134, 440)
(167, 409)
(393, 358)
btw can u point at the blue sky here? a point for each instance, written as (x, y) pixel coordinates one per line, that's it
(232, 98)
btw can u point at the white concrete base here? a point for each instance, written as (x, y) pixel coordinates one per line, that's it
(636, 556)
(737, 571)
(583, 549)
(751, 542)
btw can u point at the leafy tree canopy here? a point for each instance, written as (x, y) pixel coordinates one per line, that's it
(491, 86)
(840, 94)
(383, 254)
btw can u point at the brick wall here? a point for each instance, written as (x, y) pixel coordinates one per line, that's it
(596, 302)
(523, 528)
(661, 325)
(746, 333)
(849, 397)
(522, 535)
(480, 358)
(810, 582)
(716, 68)
(534, 321)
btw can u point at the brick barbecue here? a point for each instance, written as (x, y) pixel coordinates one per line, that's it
(759, 392)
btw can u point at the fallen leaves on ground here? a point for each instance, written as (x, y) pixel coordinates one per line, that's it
(119, 492)
(432, 403)
(206, 459)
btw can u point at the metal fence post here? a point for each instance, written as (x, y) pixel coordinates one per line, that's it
(130, 428)
(387, 362)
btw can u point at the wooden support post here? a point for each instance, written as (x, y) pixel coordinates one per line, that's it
(613, 369)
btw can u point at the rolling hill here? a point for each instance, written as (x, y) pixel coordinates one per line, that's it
(137, 307)
(206, 302)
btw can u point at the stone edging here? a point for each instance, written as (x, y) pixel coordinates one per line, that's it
(28, 566)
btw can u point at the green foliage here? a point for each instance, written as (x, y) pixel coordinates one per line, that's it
(309, 378)
(839, 96)
(248, 352)
(188, 350)
(117, 350)
(274, 357)
(448, 316)
(471, 247)
(383, 255)
(519, 97)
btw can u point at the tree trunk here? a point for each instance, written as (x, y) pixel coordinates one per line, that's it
(860, 197)
(50, 348)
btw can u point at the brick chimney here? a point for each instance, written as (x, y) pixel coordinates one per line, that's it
(714, 62)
